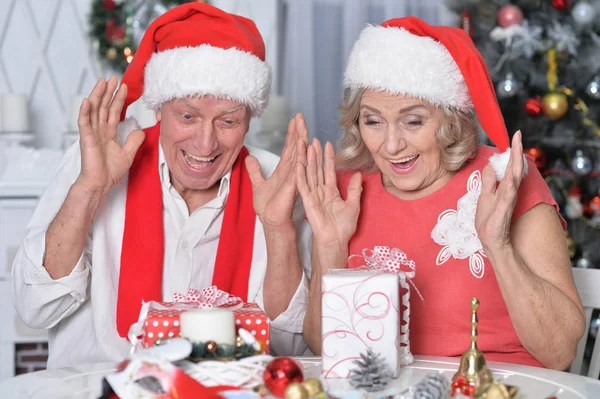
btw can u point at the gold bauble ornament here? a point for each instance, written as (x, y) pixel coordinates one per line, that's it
(500, 391)
(295, 390)
(571, 246)
(211, 347)
(263, 346)
(555, 105)
(313, 387)
(111, 53)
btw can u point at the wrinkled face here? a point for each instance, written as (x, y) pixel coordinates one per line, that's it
(201, 138)
(400, 133)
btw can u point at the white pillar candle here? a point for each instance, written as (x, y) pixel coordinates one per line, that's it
(74, 106)
(15, 113)
(212, 324)
(275, 117)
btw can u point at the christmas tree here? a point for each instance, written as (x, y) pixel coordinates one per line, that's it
(117, 26)
(544, 58)
(372, 372)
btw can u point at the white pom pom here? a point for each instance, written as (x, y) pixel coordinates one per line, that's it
(499, 162)
(124, 128)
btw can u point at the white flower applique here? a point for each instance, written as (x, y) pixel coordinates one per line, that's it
(455, 230)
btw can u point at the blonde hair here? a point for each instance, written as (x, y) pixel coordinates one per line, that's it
(456, 136)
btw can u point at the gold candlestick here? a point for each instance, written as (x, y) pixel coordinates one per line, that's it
(473, 377)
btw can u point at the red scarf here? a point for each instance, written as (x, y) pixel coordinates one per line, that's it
(143, 237)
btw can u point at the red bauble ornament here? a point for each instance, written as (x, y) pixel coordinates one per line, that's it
(119, 33)
(281, 372)
(109, 4)
(561, 5)
(533, 106)
(509, 15)
(110, 29)
(592, 207)
(465, 23)
(538, 156)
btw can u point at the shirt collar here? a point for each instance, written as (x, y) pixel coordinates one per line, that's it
(165, 176)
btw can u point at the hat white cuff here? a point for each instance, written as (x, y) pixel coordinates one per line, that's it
(196, 71)
(499, 162)
(394, 60)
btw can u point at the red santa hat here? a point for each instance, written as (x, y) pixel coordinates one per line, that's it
(438, 64)
(197, 49)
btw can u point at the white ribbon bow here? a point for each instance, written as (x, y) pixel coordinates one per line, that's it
(210, 297)
(392, 261)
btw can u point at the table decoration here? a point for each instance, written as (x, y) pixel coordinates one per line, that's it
(473, 378)
(372, 373)
(360, 311)
(160, 321)
(280, 373)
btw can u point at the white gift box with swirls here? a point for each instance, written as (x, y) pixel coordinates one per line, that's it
(360, 310)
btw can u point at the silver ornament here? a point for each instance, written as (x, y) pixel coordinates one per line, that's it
(594, 324)
(508, 87)
(583, 263)
(583, 13)
(141, 14)
(593, 88)
(581, 163)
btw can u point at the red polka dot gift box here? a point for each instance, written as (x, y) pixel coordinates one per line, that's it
(160, 320)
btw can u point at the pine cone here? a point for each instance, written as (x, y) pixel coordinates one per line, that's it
(372, 372)
(434, 386)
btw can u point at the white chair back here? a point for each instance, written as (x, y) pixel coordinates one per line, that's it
(587, 282)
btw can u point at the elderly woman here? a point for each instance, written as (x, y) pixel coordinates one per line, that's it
(477, 221)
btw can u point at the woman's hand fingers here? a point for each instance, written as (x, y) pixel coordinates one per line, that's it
(311, 168)
(319, 153)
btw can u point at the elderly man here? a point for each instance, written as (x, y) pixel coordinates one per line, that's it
(136, 215)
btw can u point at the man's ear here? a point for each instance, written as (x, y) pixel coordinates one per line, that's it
(158, 115)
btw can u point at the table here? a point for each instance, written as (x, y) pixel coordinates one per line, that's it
(535, 383)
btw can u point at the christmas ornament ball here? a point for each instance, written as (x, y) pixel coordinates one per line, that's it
(507, 87)
(533, 106)
(509, 15)
(571, 247)
(583, 263)
(594, 205)
(555, 105)
(211, 347)
(281, 372)
(296, 390)
(583, 13)
(538, 155)
(581, 163)
(313, 387)
(593, 88)
(561, 5)
(111, 53)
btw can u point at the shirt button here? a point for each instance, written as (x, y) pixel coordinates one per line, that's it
(184, 244)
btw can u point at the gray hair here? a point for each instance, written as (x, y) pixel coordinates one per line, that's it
(457, 136)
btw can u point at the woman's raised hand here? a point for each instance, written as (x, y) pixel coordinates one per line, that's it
(333, 220)
(497, 202)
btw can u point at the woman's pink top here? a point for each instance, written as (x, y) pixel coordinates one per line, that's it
(437, 232)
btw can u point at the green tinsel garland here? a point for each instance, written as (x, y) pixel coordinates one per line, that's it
(111, 30)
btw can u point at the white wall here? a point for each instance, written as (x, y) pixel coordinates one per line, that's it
(45, 53)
